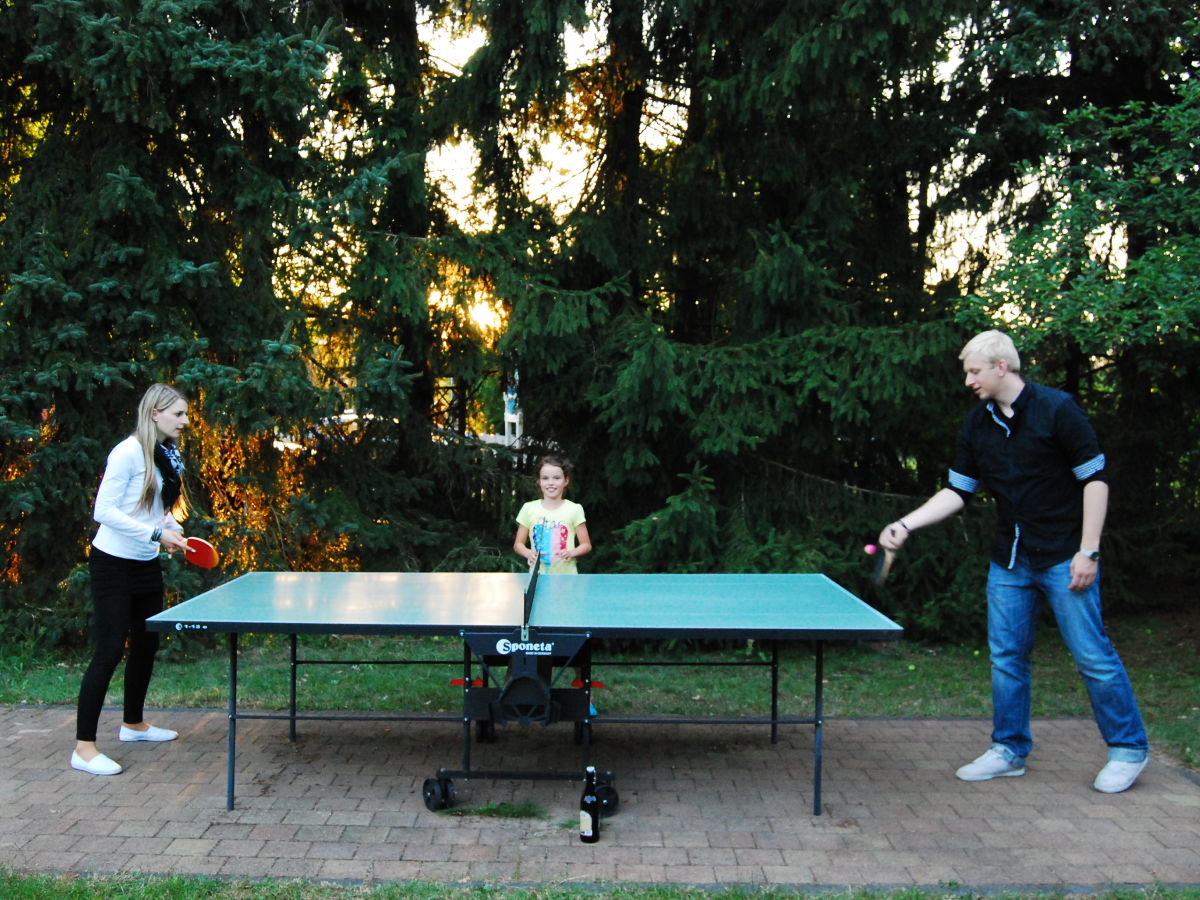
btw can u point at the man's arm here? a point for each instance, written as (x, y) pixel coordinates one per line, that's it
(942, 505)
(1095, 509)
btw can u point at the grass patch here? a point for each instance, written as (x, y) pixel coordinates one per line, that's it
(51, 887)
(891, 679)
(523, 810)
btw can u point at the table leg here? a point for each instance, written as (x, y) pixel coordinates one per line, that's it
(292, 698)
(466, 720)
(585, 727)
(818, 712)
(774, 692)
(231, 752)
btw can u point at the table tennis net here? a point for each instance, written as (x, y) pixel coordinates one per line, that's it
(531, 588)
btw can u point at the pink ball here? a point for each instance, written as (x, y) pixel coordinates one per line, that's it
(870, 549)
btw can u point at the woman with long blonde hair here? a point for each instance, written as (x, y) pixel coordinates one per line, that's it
(139, 506)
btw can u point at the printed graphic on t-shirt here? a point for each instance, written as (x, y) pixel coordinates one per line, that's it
(548, 538)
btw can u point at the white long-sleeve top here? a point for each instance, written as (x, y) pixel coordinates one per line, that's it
(125, 526)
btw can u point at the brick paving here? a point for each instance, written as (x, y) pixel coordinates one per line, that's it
(698, 806)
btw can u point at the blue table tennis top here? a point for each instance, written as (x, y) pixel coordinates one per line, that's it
(744, 606)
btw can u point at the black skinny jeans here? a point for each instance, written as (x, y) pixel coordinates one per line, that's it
(125, 592)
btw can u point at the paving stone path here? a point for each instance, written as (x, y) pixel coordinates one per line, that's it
(698, 806)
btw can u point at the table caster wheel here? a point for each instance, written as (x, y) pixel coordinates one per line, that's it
(438, 793)
(609, 799)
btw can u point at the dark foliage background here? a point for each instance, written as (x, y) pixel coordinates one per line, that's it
(743, 326)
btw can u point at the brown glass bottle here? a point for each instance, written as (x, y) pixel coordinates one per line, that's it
(589, 809)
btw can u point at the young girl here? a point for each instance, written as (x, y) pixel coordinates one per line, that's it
(141, 489)
(554, 527)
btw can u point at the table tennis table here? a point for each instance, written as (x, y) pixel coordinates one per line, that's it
(522, 638)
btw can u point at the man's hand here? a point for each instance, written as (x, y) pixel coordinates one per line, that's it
(1083, 572)
(893, 536)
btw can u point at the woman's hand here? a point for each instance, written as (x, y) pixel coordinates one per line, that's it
(173, 541)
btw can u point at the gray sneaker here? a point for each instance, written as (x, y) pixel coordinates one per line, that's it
(992, 764)
(1118, 776)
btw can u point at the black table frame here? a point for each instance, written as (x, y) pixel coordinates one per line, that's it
(293, 715)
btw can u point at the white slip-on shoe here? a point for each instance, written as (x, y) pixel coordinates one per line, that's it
(97, 765)
(1118, 776)
(992, 764)
(150, 734)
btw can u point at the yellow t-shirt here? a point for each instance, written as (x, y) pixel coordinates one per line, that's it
(551, 531)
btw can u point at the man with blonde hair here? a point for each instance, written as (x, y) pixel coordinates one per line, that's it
(1033, 448)
(994, 346)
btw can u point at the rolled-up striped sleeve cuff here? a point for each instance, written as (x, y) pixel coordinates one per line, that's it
(962, 483)
(1086, 470)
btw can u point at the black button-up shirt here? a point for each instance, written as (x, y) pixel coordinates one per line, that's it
(1035, 465)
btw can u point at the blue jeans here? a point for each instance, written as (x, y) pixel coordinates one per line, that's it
(1014, 597)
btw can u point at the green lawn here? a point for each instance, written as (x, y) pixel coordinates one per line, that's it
(897, 678)
(48, 887)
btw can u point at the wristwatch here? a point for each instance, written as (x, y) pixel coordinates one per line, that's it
(1093, 555)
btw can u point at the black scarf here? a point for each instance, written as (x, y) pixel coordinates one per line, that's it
(170, 466)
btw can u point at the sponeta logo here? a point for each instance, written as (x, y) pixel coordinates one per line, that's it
(504, 646)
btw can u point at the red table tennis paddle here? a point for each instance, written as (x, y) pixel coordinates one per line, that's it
(201, 553)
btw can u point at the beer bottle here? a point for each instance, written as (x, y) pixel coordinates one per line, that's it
(589, 809)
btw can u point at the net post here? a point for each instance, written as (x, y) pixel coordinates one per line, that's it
(529, 591)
